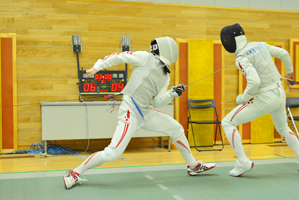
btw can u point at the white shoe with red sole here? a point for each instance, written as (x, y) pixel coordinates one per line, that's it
(199, 167)
(70, 178)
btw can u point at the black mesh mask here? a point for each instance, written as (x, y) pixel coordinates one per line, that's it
(154, 47)
(228, 35)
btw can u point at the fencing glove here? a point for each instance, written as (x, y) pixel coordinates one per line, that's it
(177, 91)
(239, 100)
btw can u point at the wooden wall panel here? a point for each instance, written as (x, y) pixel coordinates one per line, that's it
(46, 65)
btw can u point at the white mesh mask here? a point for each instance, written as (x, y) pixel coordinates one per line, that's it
(168, 50)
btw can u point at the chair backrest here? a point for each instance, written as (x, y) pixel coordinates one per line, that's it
(292, 102)
(202, 104)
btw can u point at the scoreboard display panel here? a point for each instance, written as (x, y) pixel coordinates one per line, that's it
(103, 82)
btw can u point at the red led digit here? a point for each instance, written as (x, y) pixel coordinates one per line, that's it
(120, 87)
(101, 76)
(106, 76)
(96, 76)
(86, 87)
(113, 87)
(109, 76)
(93, 87)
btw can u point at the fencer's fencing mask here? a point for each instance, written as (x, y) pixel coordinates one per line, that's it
(166, 48)
(228, 35)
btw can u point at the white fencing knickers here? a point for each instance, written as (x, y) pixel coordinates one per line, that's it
(129, 121)
(273, 102)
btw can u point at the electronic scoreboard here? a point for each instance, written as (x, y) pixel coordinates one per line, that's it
(103, 82)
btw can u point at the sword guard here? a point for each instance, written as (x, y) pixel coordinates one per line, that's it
(181, 85)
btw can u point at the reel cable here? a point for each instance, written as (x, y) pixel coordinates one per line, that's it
(208, 75)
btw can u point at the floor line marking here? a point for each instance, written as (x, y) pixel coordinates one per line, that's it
(177, 197)
(149, 177)
(162, 187)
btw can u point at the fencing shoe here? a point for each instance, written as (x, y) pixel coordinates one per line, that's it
(199, 167)
(241, 169)
(70, 178)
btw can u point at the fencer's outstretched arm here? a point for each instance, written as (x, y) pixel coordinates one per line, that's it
(252, 77)
(134, 58)
(284, 56)
(166, 96)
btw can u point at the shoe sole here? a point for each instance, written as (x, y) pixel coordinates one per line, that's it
(201, 171)
(252, 164)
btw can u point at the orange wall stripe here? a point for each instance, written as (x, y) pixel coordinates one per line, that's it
(7, 93)
(0, 104)
(218, 81)
(15, 90)
(183, 71)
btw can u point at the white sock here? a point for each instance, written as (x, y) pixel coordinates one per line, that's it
(96, 159)
(235, 141)
(183, 146)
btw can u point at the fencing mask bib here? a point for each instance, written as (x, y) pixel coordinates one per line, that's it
(228, 35)
(166, 48)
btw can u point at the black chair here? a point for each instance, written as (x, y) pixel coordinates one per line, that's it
(292, 103)
(200, 106)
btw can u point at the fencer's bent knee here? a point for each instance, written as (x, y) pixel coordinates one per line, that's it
(226, 122)
(111, 153)
(227, 126)
(178, 133)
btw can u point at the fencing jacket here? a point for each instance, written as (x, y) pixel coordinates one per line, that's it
(254, 60)
(147, 81)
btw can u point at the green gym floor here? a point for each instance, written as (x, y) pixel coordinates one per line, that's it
(269, 179)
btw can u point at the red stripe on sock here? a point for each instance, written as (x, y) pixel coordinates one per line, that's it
(180, 143)
(233, 137)
(292, 133)
(90, 158)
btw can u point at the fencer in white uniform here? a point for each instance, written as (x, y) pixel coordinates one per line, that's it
(263, 94)
(147, 85)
